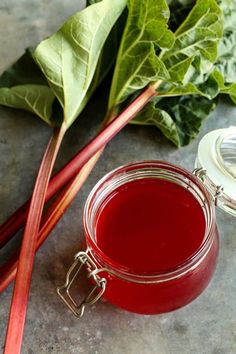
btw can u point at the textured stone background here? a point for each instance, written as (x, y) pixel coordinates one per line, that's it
(207, 326)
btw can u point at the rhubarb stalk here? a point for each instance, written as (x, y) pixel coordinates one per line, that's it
(25, 265)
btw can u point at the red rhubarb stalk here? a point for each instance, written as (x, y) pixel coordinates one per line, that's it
(17, 220)
(13, 224)
(25, 265)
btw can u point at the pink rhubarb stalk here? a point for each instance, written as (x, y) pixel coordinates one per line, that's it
(25, 265)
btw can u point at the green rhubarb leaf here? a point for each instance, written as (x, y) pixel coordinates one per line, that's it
(91, 2)
(187, 97)
(107, 58)
(37, 99)
(230, 89)
(226, 61)
(182, 3)
(196, 41)
(179, 9)
(191, 60)
(69, 58)
(178, 118)
(24, 86)
(137, 63)
(178, 70)
(233, 97)
(152, 115)
(209, 88)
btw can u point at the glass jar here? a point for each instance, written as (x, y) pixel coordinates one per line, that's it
(144, 293)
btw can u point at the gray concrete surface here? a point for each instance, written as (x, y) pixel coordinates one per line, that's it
(207, 326)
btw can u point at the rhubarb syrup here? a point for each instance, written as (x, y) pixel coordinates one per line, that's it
(150, 228)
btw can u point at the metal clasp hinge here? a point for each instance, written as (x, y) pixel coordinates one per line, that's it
(82, 259)
(201, 173)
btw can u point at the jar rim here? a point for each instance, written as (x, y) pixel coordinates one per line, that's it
(123, 272)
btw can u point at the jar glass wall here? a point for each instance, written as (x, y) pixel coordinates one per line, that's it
(161, 290)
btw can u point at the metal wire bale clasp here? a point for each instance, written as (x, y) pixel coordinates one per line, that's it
(82, 259)
(201, 173)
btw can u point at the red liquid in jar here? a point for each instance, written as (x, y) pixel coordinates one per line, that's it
(150, 225)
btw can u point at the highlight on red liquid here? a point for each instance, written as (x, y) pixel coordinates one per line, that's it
(151, 227)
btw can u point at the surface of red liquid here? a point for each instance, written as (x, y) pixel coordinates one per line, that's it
(150, 225)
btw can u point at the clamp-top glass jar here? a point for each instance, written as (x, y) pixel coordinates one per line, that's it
(152, 240)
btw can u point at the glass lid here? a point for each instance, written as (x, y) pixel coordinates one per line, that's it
(226, 151)
(216, 160)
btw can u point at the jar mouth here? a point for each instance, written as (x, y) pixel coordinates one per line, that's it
(138, 170)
